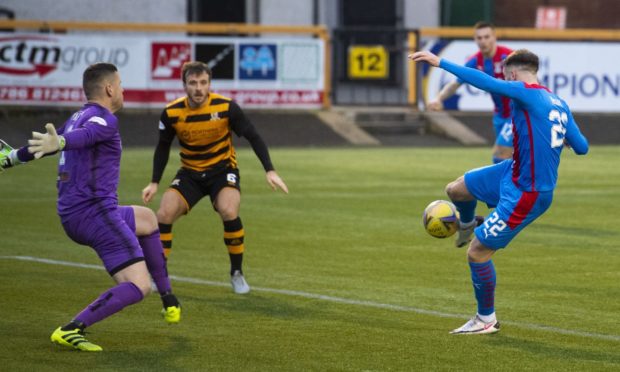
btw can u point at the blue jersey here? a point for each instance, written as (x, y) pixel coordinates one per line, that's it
(89, 165)
(542, 122)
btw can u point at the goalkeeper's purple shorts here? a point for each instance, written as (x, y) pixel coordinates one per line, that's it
(110, 232)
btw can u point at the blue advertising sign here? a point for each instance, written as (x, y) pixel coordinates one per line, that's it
(257, 61)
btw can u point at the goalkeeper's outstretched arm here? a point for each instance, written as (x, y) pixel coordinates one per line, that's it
(41, 144)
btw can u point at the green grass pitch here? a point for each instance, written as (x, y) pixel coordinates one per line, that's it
(344, 277)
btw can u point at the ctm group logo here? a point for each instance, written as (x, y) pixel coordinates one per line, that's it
(167, 59)
(28, 55)
(32, 56)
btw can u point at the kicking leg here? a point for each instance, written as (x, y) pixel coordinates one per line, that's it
(466, 205)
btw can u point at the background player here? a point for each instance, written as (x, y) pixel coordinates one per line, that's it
(488, 59)
(204, 121)
(126, 238)
(521, 189)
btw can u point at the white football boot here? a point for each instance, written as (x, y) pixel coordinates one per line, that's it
(465, 234)
(239, 285)
(476, 326)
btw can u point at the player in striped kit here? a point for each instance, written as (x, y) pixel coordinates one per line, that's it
(204, 122)
(520, 189)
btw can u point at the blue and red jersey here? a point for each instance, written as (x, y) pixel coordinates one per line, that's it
(89, 165)
(542, 123)
(493, 67)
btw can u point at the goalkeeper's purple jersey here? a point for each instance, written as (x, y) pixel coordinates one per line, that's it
(542, 122)
(89, 165)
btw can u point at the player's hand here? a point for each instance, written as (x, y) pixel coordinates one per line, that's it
(425, 56)
(434, 105)
(275, 181)
(149, 192)
(45, 143)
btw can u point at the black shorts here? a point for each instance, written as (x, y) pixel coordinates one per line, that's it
(193, 185)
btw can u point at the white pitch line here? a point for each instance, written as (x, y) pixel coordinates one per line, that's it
(346, 301)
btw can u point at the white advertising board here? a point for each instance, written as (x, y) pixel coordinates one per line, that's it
(584, 74)
(42, 69)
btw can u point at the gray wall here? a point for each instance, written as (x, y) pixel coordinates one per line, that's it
(286, 12)
(417, 13)
(422, 13)
(162, 11)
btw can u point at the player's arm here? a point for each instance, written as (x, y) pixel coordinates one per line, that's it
(96, 129)
(483, 81)
(244, 128)
(160, 157)
(41, 144)
(473, 76)
(449, 89)
(446, 92)
(10, 157)
(575, 138)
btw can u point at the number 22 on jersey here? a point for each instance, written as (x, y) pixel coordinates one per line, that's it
(558, 127)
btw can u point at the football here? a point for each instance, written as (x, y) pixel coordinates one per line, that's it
(441, 219)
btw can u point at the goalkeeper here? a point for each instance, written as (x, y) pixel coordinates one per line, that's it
(126, 238)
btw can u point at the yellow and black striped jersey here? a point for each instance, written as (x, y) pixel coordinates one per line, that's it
(205, 135)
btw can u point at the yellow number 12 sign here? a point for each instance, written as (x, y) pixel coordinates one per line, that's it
(368, 62)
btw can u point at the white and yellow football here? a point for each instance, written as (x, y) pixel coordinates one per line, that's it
(441, 219)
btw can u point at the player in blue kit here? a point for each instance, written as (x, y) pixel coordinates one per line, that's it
(126, 238)
(520, 189)
(489, 59)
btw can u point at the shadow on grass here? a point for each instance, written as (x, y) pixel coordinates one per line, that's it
(566, 354)
(156, 358)
(257, 304)
(254, 304)
(577, 231)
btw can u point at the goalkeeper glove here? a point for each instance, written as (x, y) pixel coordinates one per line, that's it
(46, 143)
(6, 155)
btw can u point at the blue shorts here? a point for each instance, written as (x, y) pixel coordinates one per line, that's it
(110, 232)
(514, 209)
(503, 131)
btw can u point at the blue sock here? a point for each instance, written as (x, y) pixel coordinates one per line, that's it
(466, 209)
(484, 279)
(497, 160)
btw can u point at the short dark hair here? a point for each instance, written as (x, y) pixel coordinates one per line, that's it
(523, 58)
(94, 76)
(194, 68)
(484, 24)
